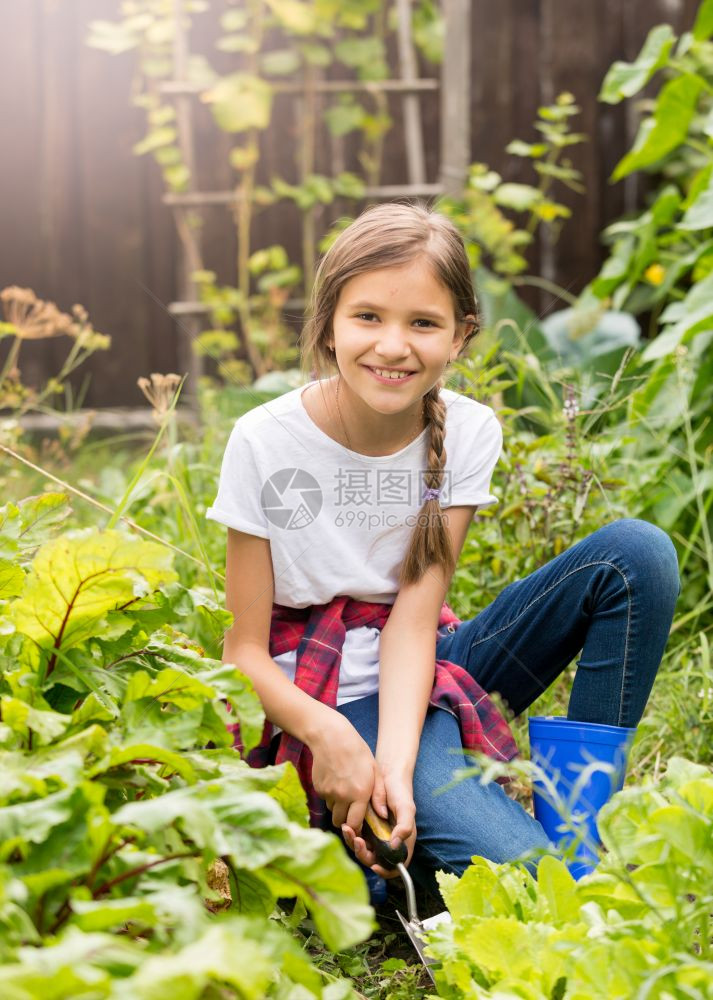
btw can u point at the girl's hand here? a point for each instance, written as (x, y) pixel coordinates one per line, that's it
(398, 796)
(344, 771)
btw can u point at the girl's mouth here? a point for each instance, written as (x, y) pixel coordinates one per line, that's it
(386, 380)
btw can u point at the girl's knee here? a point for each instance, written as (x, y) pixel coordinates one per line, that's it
(477, 819)
(646, 553)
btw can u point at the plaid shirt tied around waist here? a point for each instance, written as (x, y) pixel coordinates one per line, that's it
(318, 633)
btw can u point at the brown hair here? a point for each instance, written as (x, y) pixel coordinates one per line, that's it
(389, 235)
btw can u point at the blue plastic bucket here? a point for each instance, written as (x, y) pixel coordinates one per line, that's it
(569, 752)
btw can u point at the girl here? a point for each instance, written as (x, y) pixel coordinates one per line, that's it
(348, 501)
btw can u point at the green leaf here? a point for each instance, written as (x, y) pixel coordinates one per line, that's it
(272, 257)
(519, 197)
(162, 115)
(233, 19)
(667, 129)
(320, 187)
(502, 945)
(151, 753)
(687, 834)
(532, 150)
(479, 892)
(348, 185)
(168, 156)
(95, 707)
(367, 55)
(298, 17)
(240, 693)
(329, 884)
(581, 338)
(316, 55)
(238, 43)
(177, 177)
(111, 37)
(32, 821)
(23, 718)
(101, 915)
(220, 817)
(699, 214)
(703, 25)
(278, 781)
(625, 79)
(280, 62)
(428, 27)
(680, 771)
(217, 956)
(215, 343)
(243, 157)
(559, 889)
(344, 117)
(12, 579)
(26, 525)
(157, 137)
(78, 578)
(240, 101)
(171, 686)
(683, 319)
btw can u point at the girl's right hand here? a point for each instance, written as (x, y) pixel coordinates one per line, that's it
(344, 772)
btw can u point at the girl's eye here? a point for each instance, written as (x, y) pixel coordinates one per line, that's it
(368, 316)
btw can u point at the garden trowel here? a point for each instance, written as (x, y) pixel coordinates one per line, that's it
(377, 833)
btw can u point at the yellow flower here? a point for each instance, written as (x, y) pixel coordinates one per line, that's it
(655, 274)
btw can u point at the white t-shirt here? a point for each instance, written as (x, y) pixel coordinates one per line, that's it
(339, 522)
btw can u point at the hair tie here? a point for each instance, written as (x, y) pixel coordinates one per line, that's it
(431, 494)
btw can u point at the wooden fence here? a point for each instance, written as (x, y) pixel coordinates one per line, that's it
(82, 220)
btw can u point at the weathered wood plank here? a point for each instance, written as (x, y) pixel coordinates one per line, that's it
(83, 218)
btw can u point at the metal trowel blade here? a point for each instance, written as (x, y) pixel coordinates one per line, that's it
(415, 930)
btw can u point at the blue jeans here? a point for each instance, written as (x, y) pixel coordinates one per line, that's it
(610, 597)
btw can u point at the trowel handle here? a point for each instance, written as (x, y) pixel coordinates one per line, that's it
(377, 832)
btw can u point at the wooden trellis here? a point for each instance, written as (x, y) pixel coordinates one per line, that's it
(454, 144)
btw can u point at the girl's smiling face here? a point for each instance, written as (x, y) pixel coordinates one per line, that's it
(395, 318)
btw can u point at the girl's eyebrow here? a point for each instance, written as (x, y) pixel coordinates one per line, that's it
(430, 313)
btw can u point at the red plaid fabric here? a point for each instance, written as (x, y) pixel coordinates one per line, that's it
(318, 633)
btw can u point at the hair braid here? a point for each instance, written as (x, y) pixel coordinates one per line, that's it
(430, 542)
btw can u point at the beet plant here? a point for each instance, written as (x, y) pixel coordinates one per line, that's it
(140, 856)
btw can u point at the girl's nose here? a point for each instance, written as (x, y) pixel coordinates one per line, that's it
(392, 344)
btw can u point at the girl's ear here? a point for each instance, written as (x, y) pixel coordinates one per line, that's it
(463, 328)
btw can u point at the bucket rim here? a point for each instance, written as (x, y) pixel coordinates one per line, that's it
(560, 729)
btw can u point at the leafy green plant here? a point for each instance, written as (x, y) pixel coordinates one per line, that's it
(639, 925)
(306, 39)
(123, 802)
(554, 480)
(494, 239)
(661, 266)
(566, 470)
(499, 221)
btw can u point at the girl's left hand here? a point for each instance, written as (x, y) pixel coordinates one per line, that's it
(399, 798)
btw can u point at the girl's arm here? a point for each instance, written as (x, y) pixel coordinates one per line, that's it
(344, 771)
(407, 655)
